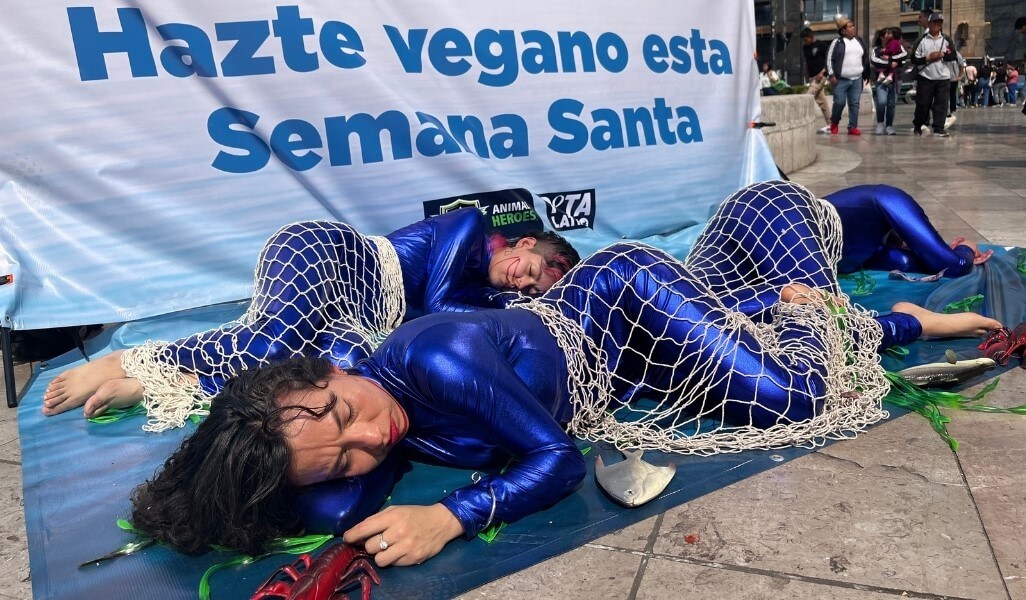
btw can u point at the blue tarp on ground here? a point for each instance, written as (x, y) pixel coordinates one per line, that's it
(78, 475)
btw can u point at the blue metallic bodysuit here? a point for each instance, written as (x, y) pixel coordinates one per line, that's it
(885, 229)
(313, 274)
(481, 388)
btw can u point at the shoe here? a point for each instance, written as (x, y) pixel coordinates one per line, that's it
(823, 129)
(918, 131)
(833, 129)
(950, 121)
(890, 130)
(854, 131)
(941, 134)
(879, 129)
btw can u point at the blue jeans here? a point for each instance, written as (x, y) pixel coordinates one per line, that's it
(886, 101)
(849, 90)
(984, 98)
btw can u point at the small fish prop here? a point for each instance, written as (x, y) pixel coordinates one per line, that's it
(946, 373)
(633, 482)
(896, 274)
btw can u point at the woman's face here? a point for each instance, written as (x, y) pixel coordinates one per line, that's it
(522, 269)
(887, 36)
(351, 439)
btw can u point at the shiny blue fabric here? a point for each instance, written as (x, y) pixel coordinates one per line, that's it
(877, 219)
(483, 388)
(444, 262)
(767, 234)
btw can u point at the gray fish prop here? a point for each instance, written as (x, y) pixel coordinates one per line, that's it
(946, 373)
(633, 482)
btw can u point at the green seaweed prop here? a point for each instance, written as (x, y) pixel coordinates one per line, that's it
(864, 282)
(929, 402)
(963, 305)
(119, 414)
(291, 545)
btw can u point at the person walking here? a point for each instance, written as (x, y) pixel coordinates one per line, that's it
(933, 52)
(848, 67)
(815, 53)
(999, 89)
(1013, 84)
(888, 53)
(957, 72)
(969, 89)
(984, 83)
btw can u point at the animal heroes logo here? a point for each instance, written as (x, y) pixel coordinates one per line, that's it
(510, 211)
(570, 210)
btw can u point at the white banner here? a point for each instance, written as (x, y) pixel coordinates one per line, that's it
(148, 150)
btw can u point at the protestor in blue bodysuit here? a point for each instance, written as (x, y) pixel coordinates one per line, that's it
(885, 229)
(478, 389)
(324, 280)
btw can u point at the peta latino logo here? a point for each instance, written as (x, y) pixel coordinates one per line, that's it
(570, 210)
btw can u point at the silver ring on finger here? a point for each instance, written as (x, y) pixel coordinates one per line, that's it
(382, 544)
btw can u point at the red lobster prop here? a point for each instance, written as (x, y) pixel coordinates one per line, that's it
(1002, 344)
(335, 570)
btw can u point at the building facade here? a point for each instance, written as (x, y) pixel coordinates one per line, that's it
(980, 28)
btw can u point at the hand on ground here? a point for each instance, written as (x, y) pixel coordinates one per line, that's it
(413, 533)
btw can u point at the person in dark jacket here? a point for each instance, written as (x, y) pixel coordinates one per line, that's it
(848, 67)
(815, 53)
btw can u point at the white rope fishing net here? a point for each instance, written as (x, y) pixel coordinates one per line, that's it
(312, 278)
(827, 345)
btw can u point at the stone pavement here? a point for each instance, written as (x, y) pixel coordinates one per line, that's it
(891, 513)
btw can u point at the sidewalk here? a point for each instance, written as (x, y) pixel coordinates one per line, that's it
(891, 513)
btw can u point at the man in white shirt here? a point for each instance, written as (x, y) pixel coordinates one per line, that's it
(932, 52)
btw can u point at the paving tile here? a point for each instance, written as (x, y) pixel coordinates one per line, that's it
(14, 567)
(585, 573)
(635, 537)
(897, 531)
(665, 580)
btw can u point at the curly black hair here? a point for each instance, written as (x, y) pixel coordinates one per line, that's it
(227, 483)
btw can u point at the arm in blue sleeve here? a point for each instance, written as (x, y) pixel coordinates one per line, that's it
(463, 370)
(458, 244)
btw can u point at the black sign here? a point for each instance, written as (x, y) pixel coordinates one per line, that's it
(570, 210)
(510, 211)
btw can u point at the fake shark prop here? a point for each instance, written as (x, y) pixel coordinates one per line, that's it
(633, 482)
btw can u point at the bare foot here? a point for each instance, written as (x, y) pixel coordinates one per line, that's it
(948, 325)
(978, 257)
(72, 388)
(114, 393)
(797, 293)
